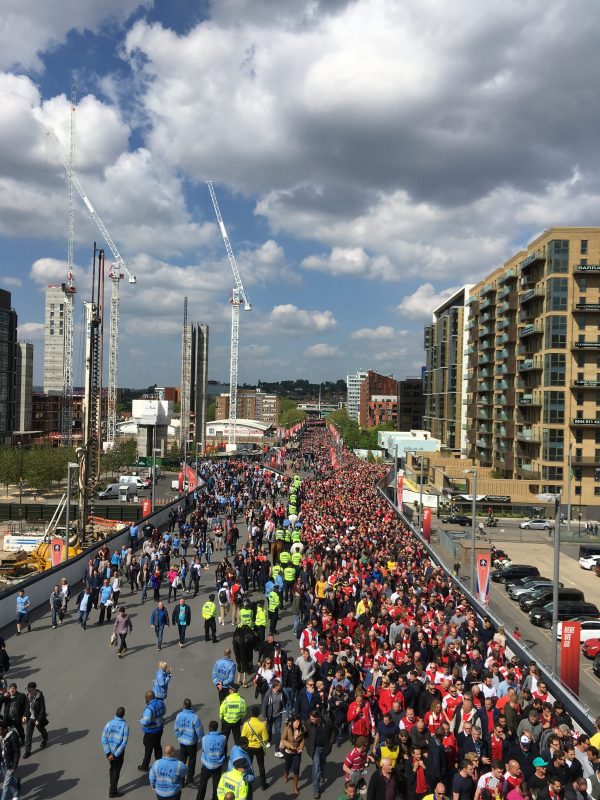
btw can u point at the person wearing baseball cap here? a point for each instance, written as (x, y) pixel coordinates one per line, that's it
(539, 779)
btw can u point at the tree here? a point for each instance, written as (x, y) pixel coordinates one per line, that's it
(291, 417)
(285, 404)
(9, 466)
(211, 411)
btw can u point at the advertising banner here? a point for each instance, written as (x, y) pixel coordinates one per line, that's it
(427, 524)
(56, 548)
(146, 507)
(400, 486)
(482, 590)
(570, 654)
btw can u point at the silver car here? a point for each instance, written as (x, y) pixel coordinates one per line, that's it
(537, 524)
(515, 592)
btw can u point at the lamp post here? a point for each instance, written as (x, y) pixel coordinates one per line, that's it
(396, 474)
(71, 467)
(556, 578)
(473, 474)
(414, 452)
(154, 451)
(569, 478)
(21, 481)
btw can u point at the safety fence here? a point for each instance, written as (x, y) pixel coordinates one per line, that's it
(579, 711)
(43, 512)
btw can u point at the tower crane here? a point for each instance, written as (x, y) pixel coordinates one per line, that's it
(237, 297)
(69, 290)
(117, 272)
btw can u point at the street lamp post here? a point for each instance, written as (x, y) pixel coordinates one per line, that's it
(473, 474)
(71, 467)
(569, 478)
(396, 475)
(556, 578)
(153, 466)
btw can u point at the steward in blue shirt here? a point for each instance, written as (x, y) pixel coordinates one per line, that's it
(160, 687)
(189, 731)
(152, 723)
(214, 752)
(114, 741)
(223, 674)
(167, 776)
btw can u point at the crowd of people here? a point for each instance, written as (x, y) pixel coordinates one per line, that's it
(384, 660)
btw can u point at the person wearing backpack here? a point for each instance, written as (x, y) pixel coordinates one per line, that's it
(224, 599)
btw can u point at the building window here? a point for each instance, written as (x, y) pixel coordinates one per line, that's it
(597, 475)
(554, 369)
(584, 246)
(554, 408)
(552, 473)
(557, 291)
(583, 284)
(597, 491)
(579, 437)
(556, 332)
(557, 256)
(554, 444)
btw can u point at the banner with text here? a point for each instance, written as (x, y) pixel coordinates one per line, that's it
(570, 654)
(483, 577)
(427, 524)
(56, 548)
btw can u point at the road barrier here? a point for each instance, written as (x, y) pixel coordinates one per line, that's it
(579, 711)
(43, 512)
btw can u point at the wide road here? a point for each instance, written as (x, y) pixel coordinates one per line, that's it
(84, 681)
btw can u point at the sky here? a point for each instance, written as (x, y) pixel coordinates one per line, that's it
(369, 156)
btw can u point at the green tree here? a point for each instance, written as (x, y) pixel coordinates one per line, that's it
(285, 405)
(211, 411)
(291, 417)
(10, 466)
(175, 452)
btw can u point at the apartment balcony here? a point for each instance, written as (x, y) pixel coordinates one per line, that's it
(531, 330)
(485, 400)
(582, 384)
(502, 293)
(503, 416)
(533, 258)
(484, 372)
(585, 461)
(485, 359)
(489, 316)
(488, 289)
(586, 345)
(481, 443)
(471, 323)
(472, 348)
(529, 399)
(471, 436)
(505, 430)
(505, 461)
(507, 305)
(585, 422)
(532, 294)
(528, 435)
(582, 269)
(530, 365)
(485, 330)
(487, 344)
(527, 472)
(509, 275)
(527, 282)
(592, 307)
(502, 339)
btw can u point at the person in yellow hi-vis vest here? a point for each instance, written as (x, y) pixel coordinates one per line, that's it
(232, 712)
(274, 603)
(246, 617)
(209, 612)
(233, 781)
(260, 623)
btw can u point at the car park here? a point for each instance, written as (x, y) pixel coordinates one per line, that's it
(591, 648)
(539, 597)
(457, 519)
(537, 524)
(514, 572)
(590, 562)
(515, 591)
(542, 616)
(590, 628)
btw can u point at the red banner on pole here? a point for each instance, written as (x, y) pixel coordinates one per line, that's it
(400, 486)
(427, 523)
(482, 590)
(146, 508)
(56, 548)
(570, 655)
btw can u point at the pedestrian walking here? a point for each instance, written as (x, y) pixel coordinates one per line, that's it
(84, 606)
(255, 731)
(123, 626)
(35, 717)
(152, 723)
(209, 613)
(106, 602)
(158, 620)
(10, 748)
(238, 752)
(292, 744)
(224, 603)
(274, 604)
(320, 735)
(273, 707)
(167, 775)
(115, 736)
(214, 752)
(223, 674)
(182, 617)
(232, 712)
(65, 591)
(160, 686)
(55, 606)
(15, 710)
(23, 606)
(189, 732)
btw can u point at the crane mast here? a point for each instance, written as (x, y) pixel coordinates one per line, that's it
(118, 270)
(237, 297)
(69, 290)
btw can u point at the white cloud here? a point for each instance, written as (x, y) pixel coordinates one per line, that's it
(31, 331)
(351, 261)
(11, 281)
(288, 319)
(379, 334)
(52, 270)
(32, 27)
(322, 350)
(420, 304)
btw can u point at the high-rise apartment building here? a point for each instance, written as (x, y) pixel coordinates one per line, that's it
(54, 340)
(199, 393)
(8, 367)
(251, 404)
(411, 404)
(534, 366)
(353, 383)
(24, 385)
(444, 382)
(378, 401)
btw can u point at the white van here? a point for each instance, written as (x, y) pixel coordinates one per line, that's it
(134, 480)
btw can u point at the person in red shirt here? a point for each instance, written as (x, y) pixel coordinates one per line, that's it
(320, 654)
(360, 718)
(409, 720)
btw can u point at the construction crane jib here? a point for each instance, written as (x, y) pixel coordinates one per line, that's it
(117, 272)
(238, 296)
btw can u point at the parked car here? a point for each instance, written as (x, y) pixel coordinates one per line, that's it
(590, 562)
(513, 572)
(539, 597)
(567, 609)
(516, 591)
(596, 666)
(457, 519)
(537, 524)
(597, 569)
(590, 628)
(591, 648)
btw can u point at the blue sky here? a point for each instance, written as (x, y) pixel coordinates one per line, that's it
(369, 156)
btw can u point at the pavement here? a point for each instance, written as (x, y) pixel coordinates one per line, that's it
(84, 682)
